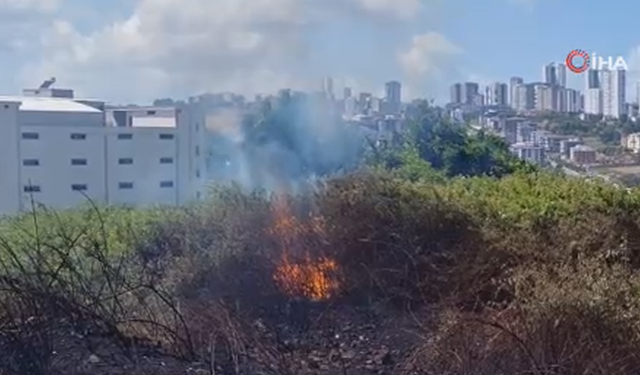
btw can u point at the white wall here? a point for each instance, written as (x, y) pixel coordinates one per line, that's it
(56, 153)
(70, 170)
(10, 188)
(152, 175)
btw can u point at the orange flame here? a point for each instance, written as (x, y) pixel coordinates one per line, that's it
(315, 279)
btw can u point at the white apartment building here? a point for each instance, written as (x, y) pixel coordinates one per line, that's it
(571, 102)
(60, 151)
(605, 93)
(546, 97)
(593, 101)
(613, 83)
(528, 151)
(631, 142)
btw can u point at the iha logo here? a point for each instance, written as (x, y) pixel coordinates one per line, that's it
(578, 61)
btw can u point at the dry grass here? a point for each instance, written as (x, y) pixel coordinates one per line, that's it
(532, 293)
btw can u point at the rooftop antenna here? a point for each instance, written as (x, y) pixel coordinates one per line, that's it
(48, 83)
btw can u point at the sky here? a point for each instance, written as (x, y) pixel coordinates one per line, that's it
(133, 51)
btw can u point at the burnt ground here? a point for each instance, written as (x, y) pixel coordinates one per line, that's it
(344, 340)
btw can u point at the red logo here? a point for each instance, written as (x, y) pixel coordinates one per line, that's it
(582, 63)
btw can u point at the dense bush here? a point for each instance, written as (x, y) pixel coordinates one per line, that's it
(531, 272)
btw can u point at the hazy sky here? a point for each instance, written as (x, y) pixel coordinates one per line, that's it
(137, 50)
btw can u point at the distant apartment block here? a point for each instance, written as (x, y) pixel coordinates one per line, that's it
(529, 151)
(583, 155)
(514, 82)
(631, 142)
(546, 97)
(524, 97)
(497, 94)
(550, 74)
(466, 93)
(524, 132)
(566, 145)
(613, 93)
(455, 96)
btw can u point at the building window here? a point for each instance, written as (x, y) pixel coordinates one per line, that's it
(78, 161)
(125, 136)
(30, 136)
(125, 185)
(31, 162)
(166, 184)
(166, 136)
(31, 189)
(151, 113)
(166, 160)
(79, 187)
(125, 161)
(78, 136)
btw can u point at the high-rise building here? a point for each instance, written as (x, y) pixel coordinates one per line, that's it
(549, 74)
(593, 96)
(613, 84)
(593, 101)
(572, 101)
(470, 92)
(546, 97)
(393, 90)
(347, 93)
(498, 94)
(456, 93)
(593, 79)
(513, 89)
(327, 87)
(561, 72)
(524, 98)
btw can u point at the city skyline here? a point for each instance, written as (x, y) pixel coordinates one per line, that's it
(134, 51)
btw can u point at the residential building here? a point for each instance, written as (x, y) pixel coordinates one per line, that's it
(546, 97)
(328, 88)
(524, 99)
(456, 94)
(550, 142)
(593, 101)
(60, 151)
(347, 93)
(561, 72)
(571, 102)
(549, 74)
(613, 86)
(393, 96)
(498, 94)
(631, 142)
(529, 151)
(524, 132)
(470, 93)
(566, 145)
(583, 155)
(510, 130)
(514, 82)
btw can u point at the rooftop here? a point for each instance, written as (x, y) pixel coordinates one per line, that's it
(45, 104)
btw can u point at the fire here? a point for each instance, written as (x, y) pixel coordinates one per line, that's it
(315, 279)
